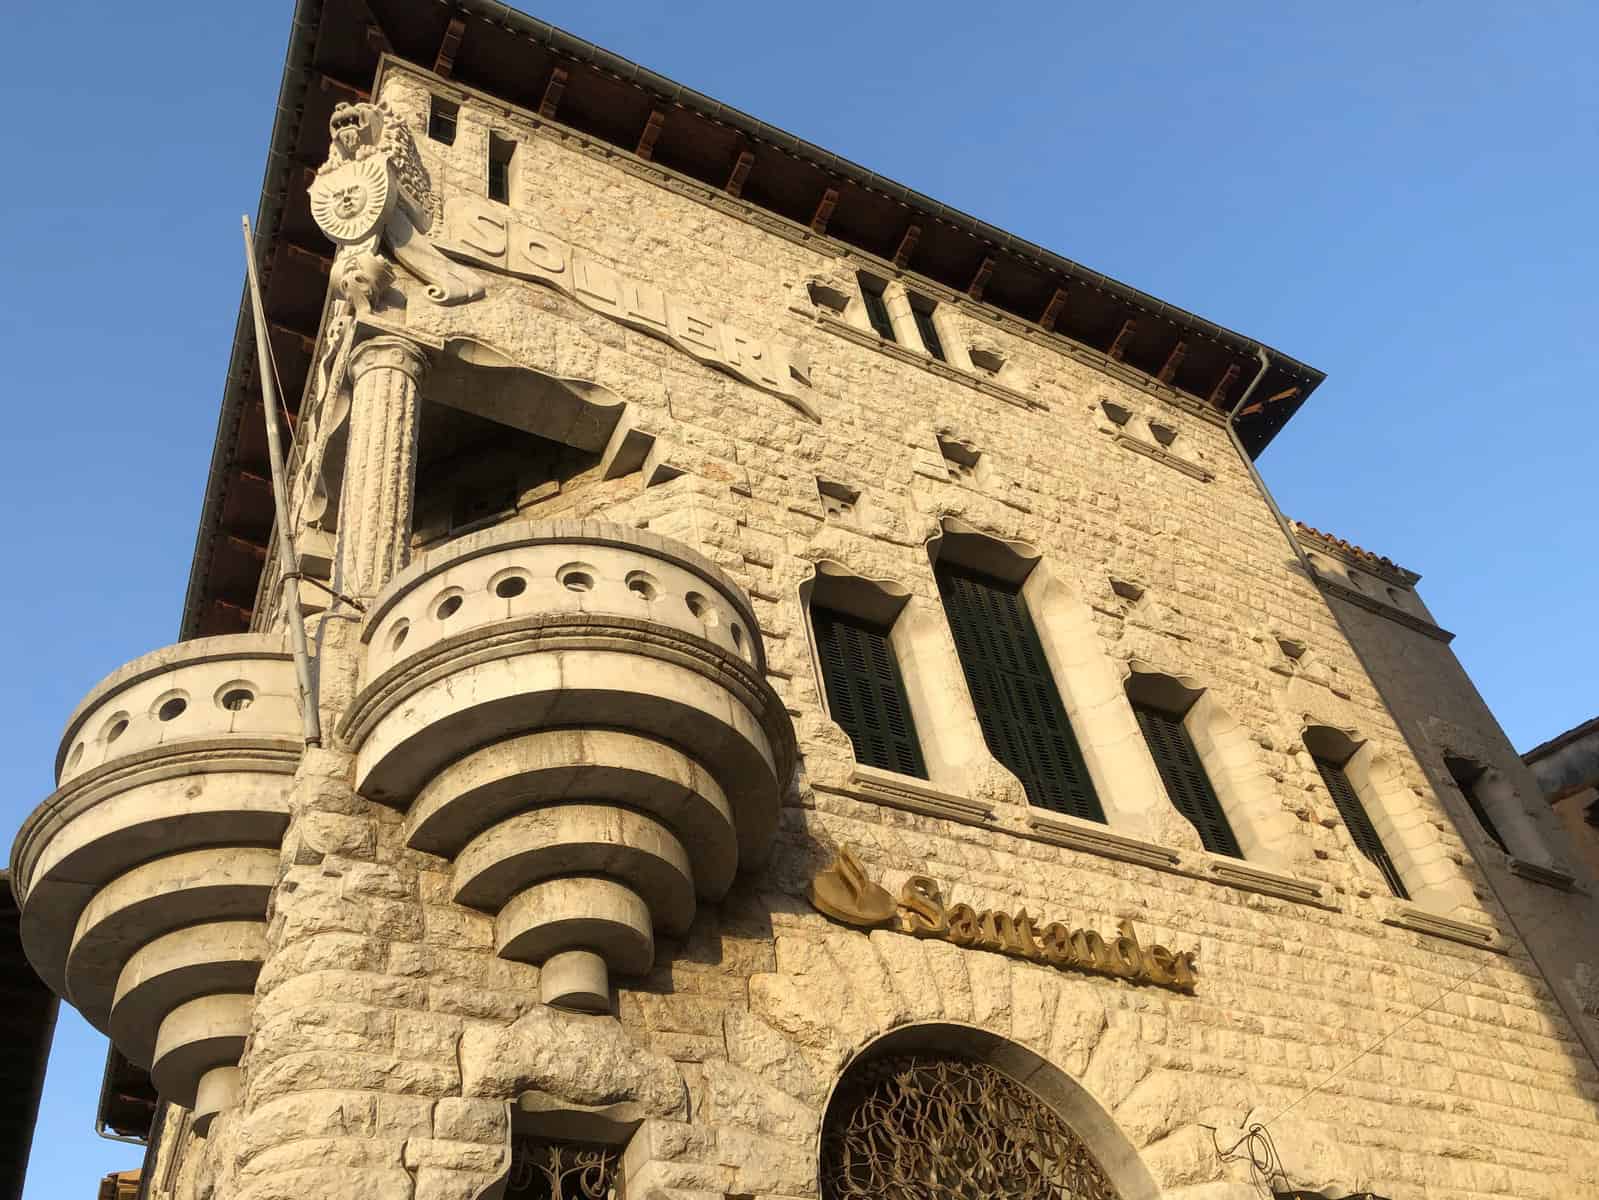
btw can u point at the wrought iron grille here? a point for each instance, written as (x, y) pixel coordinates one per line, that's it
(915, 1128)
(543, 1170)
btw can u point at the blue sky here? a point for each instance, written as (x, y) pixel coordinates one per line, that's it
(1399, 194)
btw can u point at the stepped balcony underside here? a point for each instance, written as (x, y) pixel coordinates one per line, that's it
(143, 880)
(576, 715)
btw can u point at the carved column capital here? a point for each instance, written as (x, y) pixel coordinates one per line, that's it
(392, 352)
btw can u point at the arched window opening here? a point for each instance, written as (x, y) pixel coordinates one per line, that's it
(939, 1127)
(1330, 751)
(1161, 703)
(866, 692)
(1467, 776)
(1013, 690)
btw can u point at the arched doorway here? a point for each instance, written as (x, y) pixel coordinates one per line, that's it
(954, 1113)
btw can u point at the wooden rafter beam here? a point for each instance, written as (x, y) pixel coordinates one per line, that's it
(824, 210)
(1218, 394)
(552, 93)
(307, 344)
(907, 245)
(1287, 393)
(740, 172)
(239, 612)
(449, 47)
(651, 131)
(985, 270)
(1053, 310)
(256, 550)
(1118, 347)
(377, 39)
(312, 258)
(330, 83)
(1168, 369)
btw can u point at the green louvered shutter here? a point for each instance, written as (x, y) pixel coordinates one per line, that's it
(1358, 822)
(877, 312)
(1185, 779)
(866, 693)
(1023, 720)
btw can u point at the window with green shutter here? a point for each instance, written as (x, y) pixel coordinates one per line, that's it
(877, 311)
(1018, 705)
(1358, 821)
(1184, 776)
(865, 692)
(929, 332)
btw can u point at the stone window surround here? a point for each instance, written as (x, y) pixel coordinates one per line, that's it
(1526, 854)
(524, 123)
(1139, 828)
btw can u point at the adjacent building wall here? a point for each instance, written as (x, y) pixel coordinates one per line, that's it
(1541, 876)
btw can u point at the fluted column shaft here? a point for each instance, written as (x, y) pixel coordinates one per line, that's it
(380, 468)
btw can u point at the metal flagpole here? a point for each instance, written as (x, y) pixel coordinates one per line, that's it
(289, 568)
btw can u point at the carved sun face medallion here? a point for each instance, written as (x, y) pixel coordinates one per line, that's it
(352, 201)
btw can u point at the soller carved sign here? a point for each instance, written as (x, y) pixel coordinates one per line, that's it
(844, 892)
(493, 235)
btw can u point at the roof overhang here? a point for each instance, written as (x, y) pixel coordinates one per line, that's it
(333, 55)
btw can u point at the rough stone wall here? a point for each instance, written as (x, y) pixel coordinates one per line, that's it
(389, 1038)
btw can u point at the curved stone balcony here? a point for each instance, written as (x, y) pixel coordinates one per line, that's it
(576, 714)
(143, 879)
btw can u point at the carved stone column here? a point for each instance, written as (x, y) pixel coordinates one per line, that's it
(380, 467)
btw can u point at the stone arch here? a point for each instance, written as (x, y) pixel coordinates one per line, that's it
(1124, 775)
(1435, 883)
(1067, 1098)
(1267, 832)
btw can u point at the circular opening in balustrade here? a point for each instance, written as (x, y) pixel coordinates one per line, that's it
(172, 709)
(701, 608)
(116, 727)
(237, 699)
(448, 607)
(397, 638)
(77, 753)
(643, 585)
(510, 587)
(576, 577)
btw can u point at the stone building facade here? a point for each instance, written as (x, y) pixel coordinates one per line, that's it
(1567, 770)
(679, 827)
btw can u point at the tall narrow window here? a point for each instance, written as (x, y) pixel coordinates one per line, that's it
(1467, 775)
(866, 693)
(1184, 776)
(1358, 821)
(877, 310)
(1018, 706)
(500, 151)
(441, 119)
(929, 332)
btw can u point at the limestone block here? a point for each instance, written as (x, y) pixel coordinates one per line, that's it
(734, 1096)
(470, 1120)
(586, 1060)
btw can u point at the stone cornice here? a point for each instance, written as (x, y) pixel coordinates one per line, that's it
(1128, 442)
(1397, 615)
(1352, 556)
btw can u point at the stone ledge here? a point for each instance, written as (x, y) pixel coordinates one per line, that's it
(1361, 600)
(894, 350)
(1548, 876)
(1096, 839)
(1127, 441)
(1270, 883)
(1432, 924)
(917, 796)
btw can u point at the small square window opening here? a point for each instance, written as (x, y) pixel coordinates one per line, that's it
(442, 116)
(838, 501)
